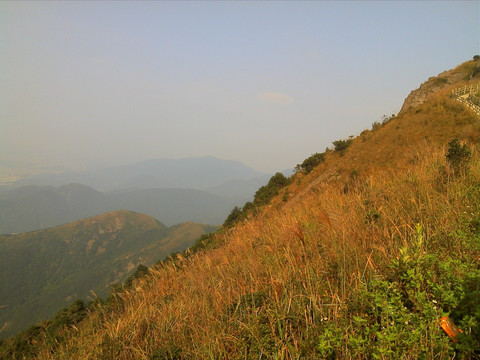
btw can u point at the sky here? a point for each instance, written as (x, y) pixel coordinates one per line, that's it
(100, 83)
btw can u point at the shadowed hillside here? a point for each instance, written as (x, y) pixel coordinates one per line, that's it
(357, 256)
(42, 271)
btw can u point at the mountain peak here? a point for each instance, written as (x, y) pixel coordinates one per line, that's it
(115, 220)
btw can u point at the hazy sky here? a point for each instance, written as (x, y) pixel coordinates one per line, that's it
(266, 83)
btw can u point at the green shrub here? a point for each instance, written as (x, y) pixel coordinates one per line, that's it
(167, 352)
(205, 241)
(440, 81)
(248, 206)
(235, 215)
(140, 272)
(48, 333)
(457, 155)
(397, 315)
(267, 192)
(310, 163)
(341, 145)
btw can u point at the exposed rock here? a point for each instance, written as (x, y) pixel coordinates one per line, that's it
(465, 72)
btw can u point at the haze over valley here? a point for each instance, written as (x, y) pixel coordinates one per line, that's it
(195, 189)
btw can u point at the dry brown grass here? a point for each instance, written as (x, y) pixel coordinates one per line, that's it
(305, 258)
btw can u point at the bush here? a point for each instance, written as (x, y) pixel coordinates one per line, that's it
(248, 206)
(397, 316)
(68, 316)
(440, 81)
(341, 145)
(376, 125)
(140, 272)
(386, 119)
(267, 192)
(167, 352)
(235, 215)
(457, 155)
(311, 162)
(49, 333)
(205, 241)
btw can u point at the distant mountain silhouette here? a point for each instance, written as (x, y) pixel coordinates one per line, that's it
(33, 207)
(195, 173)
(200, 189)
(37, 207)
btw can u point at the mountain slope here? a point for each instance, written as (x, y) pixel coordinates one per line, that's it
(357, 258)
(42, 271)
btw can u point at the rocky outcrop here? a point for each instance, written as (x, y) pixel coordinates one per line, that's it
(465, 72)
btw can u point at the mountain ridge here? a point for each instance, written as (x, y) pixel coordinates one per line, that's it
(32, 207)
(196, 173)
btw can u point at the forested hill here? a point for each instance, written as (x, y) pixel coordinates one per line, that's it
(358, 255)
(43, 271)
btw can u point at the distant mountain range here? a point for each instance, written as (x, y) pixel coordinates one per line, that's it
(43, 271)
(173, 191)
(198, 173)
(31, 208)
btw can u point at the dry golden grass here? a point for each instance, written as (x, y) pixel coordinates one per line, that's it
(305, 258)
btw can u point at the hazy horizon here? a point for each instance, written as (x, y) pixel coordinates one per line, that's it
(86, 84)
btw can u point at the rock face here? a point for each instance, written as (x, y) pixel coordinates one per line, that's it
(465, 72)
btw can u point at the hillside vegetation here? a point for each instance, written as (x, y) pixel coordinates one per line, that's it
(357, 256)
(43, 271)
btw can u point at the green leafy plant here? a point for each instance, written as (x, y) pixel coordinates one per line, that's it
(457, 155)
(397, 315)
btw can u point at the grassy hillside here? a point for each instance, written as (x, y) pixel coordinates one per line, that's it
(43, 271)
(357, 256)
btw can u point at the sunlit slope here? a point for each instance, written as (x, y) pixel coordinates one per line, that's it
(42, 271)
(359, 258)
